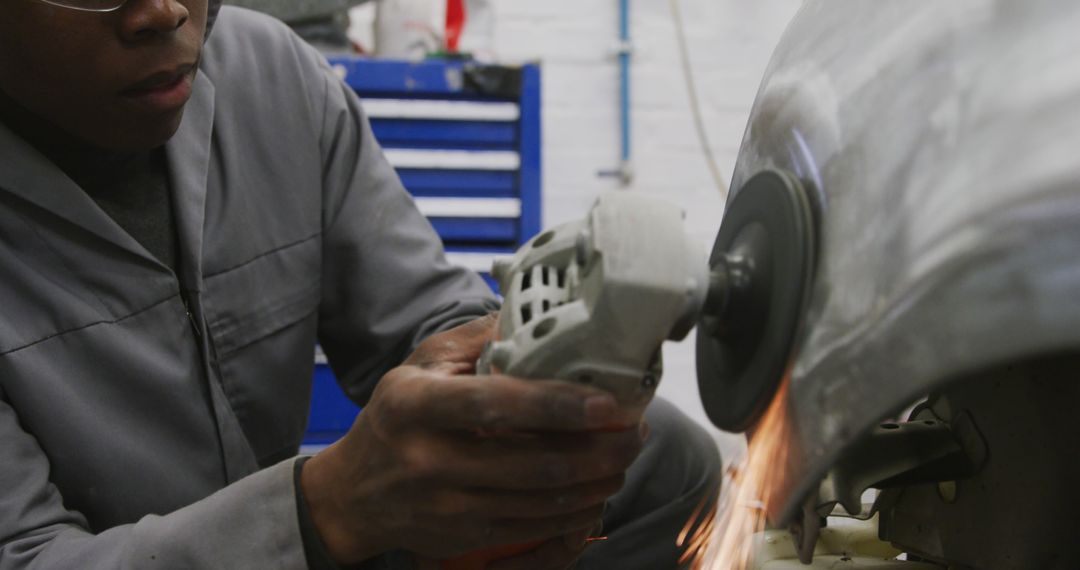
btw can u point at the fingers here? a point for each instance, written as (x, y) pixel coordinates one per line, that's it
(501, 504)
(551, 502)
(542, 462)
(470, 462)
(560, 553)
(500, 403)
(460, 346)
(515, 531)
(556, 554)
(425, 424)
(478, 537)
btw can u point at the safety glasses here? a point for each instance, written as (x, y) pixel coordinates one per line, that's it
(88, 5)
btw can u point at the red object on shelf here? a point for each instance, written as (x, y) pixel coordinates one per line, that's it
(455, 23)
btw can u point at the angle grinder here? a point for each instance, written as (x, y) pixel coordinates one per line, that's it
(593, 301)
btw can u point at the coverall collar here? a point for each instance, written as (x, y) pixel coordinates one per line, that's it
(188, 155)
(27, 174)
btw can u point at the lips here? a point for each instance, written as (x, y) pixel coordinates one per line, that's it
(162, 91)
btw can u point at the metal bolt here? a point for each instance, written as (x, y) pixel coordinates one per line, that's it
(648, 382)
(947, 491)
(501, 268)
(740, 271)
(501, 353)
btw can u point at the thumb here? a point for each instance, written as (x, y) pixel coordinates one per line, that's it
(457, 348)
(477, 331)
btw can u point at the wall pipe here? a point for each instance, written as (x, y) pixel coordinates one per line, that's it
(626, 48)
(625, 51)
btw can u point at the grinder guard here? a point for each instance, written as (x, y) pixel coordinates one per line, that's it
(761, 264)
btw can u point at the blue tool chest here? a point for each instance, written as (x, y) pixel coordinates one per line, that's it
(465, 140)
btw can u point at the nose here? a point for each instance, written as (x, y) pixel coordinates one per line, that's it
(142, 20)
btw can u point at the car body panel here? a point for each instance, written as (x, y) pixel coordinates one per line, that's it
(939, 144)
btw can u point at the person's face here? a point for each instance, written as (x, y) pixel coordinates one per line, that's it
(117, 80)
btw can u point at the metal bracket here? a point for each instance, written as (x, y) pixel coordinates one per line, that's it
(923, 450)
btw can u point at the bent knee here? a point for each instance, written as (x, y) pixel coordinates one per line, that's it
(681, 449)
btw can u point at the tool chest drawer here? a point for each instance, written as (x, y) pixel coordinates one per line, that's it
(465, 139)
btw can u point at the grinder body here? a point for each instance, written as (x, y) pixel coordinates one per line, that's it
(592, 301)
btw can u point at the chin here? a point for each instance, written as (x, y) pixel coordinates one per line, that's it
(142, 135)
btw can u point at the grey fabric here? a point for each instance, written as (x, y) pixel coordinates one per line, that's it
(134, 191)
(212, 9)
(132, 436)
(132, 188)
(678, 471)
(322, 23)
(293, 11)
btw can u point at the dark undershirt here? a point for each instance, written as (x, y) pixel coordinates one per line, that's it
(133, 189)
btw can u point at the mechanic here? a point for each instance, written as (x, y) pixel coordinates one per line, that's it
(182, 214)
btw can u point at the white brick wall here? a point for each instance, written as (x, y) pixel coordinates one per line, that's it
(730, 42)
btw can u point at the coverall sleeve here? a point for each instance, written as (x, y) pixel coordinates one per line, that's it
(387, 283)
(386, 286)
(227, 530)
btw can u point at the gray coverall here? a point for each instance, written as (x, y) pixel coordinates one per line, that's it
(149, 419)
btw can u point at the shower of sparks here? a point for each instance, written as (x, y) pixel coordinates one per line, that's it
(722, 537)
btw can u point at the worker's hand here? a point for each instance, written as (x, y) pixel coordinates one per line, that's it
(440, 463)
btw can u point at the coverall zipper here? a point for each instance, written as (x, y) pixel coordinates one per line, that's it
(191, 317)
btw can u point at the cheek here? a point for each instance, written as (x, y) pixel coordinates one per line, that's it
(55, 67)
(17, 47)
(198, 10)
(70, 67)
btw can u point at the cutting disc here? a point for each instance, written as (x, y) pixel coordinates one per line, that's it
(762, 264)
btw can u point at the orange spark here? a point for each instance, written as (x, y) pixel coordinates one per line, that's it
(723, 538)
